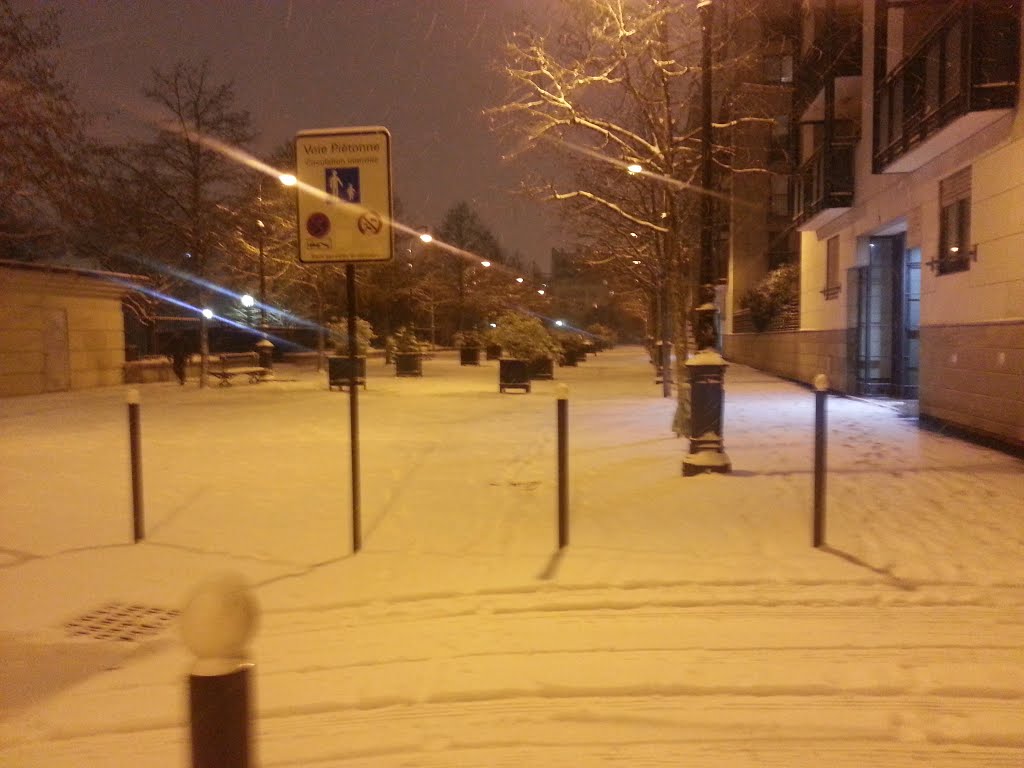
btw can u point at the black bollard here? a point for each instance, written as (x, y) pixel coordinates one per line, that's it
(135, 446)
(821, 384)
(220, 717)
(563, 465)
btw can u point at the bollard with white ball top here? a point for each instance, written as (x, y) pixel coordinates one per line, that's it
(821, 386)
(217, 622)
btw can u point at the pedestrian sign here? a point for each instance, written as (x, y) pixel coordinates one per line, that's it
(344, 195)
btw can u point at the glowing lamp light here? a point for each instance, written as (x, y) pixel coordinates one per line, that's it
(636, 261)
(494, 325)
(247, 301)
(634, 168)
(287, 179)
(540, 291)
(633, 234)
(559, 323)
(519, 279)
(208, 314)
(485, 263)
(426, 237)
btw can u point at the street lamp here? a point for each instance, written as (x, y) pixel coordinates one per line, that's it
(263, 275)
(247, 302)
(706, 369)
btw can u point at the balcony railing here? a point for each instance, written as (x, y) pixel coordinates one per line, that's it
(968, 63)
(824, 181)
(834, 52)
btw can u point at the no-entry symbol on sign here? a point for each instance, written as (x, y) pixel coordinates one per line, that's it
(370, 224)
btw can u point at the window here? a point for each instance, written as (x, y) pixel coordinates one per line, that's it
(954, 224)
(779, 144)
(779, 202)
(832, 287)
(778, 69)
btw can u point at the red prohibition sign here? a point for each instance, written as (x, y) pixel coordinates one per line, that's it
(318, 225)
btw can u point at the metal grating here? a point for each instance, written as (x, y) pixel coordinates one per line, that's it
(118, 621)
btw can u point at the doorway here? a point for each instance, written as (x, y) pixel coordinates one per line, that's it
(885, 314)
(56, 368)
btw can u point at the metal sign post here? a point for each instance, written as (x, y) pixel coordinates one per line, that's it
(344, 217)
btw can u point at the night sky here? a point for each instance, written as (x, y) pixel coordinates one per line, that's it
(425, 69)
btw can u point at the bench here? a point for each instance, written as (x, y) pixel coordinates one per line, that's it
(230, 364)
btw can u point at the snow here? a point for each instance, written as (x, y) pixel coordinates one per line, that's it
(688, 622)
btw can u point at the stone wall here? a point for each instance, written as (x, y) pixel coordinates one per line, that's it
(796, 355)
(972, 377)
(60, 329)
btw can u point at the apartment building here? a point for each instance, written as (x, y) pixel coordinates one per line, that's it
(908, 204)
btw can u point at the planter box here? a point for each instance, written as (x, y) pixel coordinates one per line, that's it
(340, 373)
(513, 374)
(542, 369)
(469, 356)
(408, 364)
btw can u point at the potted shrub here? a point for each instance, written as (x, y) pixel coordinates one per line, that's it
(776, 293)
(602, 337)
(574, 348)
(492, 349)
(469, 343)
(407, 353)
(527, 351)
(340, 371)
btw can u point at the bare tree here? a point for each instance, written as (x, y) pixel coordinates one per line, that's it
(190, 183)
(612, 94)
(610, 99)
(41, 141)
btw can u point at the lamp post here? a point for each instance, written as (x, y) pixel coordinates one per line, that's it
(706, 369)
(263, 275)
(426, 238)
(247, 302)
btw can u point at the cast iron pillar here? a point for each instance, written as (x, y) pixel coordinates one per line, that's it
(706, 369)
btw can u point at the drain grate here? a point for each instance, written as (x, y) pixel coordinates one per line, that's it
(118, 621)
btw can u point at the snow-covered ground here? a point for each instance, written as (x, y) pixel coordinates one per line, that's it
(689, 622)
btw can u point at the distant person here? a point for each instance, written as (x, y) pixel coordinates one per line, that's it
(179, 356)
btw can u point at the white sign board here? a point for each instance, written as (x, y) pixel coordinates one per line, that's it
(344, 189)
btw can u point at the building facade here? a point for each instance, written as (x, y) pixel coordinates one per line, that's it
(908, 196)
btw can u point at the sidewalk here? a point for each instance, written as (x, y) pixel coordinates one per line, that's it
(457, 636)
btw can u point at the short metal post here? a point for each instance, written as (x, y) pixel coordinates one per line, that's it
(216, 625)
(821, 385)
(135, 445)
(563, 464)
